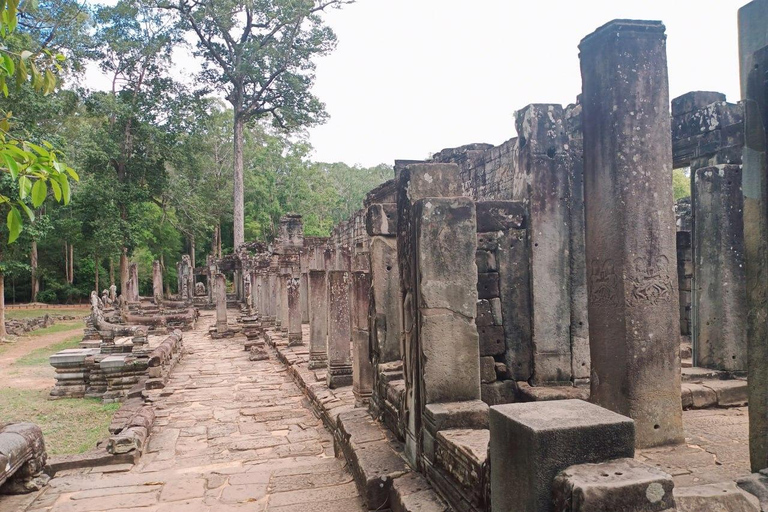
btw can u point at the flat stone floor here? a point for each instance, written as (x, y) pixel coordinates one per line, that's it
(716, 448)
(230, 434)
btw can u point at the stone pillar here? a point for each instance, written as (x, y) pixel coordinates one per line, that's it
(753, 49)
(339, 329)
(437, 242)
(630, 240)
(385, 277)
(294, 311)
(544, 155)
(304, 292)
(220, 293)
(283, 280)
(185, 278)
(273, 304)
(318, 320)
(719, 274)
(157, 282)
(133, 283)
(362, 369)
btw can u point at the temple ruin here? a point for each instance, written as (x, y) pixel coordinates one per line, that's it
(513, 327)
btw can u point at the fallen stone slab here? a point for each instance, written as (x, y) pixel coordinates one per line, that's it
(528, 393)
(22, 458)
(718, 497)
(623, 484)
(412, 493)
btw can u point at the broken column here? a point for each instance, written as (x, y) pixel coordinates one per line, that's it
(362, 370)
(339, 330)
(157, 282)
(720, 277)
(220, 293)
(630, 239)
(543, 146)
(437, 242)
(185, 278)
(753, 51)
(318, 319)
(294, 310)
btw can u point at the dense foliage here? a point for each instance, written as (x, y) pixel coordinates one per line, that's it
(155, 155)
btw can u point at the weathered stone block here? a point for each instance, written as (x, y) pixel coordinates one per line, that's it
(381, 219)
(486, 262)
(500, 216)
(532, 442)
(491, 340)
(487, 369)
(715, 498)
(488, 285)
(484, 313)
(622, 484)
(499, 392)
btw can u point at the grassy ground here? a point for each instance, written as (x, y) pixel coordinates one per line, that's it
(41, 355)
(69, 425)
(21, 314)
(57, 327)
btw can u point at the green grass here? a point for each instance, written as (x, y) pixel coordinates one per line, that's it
(41, 355)
(22, 314)
(60, 327)
(69, 426)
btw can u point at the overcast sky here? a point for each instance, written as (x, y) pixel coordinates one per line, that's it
(411, 77)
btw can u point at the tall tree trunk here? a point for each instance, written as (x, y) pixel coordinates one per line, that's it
(192, 249)
(33, 264)
(239, 208)
(96, 266)
(218, 250)
(215, 244)
(71, 264)
(3, 332)
(124, 272)
(66, 261)
(111, 271)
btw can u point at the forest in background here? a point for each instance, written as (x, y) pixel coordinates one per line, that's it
(155, 156)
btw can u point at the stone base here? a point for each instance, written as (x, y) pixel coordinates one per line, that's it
(338, 377)
(317, 362)
(295, 339)
(258, 354)
(217, 334)
(623, 484)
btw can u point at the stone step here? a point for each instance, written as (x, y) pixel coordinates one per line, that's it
(708, 393)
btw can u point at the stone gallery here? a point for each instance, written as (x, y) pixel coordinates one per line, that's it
(526, 327)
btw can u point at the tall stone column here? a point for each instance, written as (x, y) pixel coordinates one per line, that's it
(304, 292)
(720, 277)
(220, 294)
(318, 319)
(339, 329)
(630, 240)
(753, 49)
(157, 282)
(294, 311)
(386, 295)
(283, 280)
(362, 369)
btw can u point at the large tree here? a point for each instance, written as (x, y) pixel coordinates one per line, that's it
(259, 53)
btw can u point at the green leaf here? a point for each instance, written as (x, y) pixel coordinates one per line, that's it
(14, 224)
(12, 165)
(73, 174)
(25, 186)
(8, 63)
(39, 191)
(28, 211)
(65, 190)
(56, 190)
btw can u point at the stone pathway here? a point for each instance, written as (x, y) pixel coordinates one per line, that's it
(230, 434)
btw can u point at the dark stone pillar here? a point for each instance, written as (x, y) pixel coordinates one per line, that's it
(720, 277)
(220, 293)
(294, 311)
(630, 228)
(339, 330)
(283, 278)
(753, 48)
(157, 282)
(318, 319)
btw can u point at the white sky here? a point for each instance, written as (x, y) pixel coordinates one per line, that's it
(411, 77)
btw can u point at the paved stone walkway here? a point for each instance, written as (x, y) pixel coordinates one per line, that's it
(230, 434)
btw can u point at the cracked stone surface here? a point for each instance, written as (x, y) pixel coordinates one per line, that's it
(230, 434)
(716, 448)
